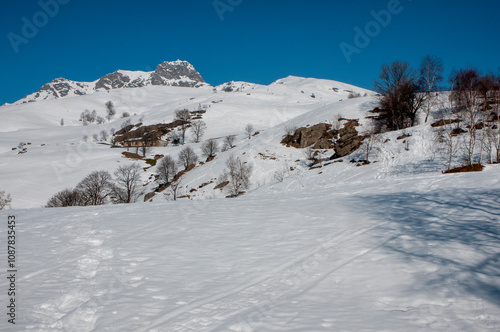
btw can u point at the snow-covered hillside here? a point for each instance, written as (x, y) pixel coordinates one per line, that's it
(58, 156)
(394, 245)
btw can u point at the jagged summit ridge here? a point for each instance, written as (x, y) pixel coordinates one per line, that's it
(169, 73)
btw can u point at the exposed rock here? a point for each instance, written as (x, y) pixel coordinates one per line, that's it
(61, 87)
(152, 134)
(221, 185)
(349, 140)
(149, 196)
(443, 122)
(319, 136)
(176, 70)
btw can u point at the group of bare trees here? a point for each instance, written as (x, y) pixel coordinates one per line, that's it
(90, 117)
(237, 175)
(405, 91)
(99, 188)
(471, 117)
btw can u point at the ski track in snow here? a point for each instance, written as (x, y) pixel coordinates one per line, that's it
(241, 300)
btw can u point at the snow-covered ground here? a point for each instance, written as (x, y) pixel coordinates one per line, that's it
(414, 253)
(390, 246)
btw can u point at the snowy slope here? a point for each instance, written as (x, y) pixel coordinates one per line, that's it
(390, 246)
(409, 254)
(58, 157)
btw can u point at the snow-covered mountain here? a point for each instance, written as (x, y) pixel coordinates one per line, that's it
(394, 245)
(173, 73)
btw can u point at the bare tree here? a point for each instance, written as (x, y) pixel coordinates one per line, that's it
(466, 97)
(210, 148)
(198, 128)
(309, 153)
(96, 188)
(290, 130)
(336, 121)
(249, 130)
(446, 135)
(66, 197)
(401, 98)
(493, 144)
(174, 188)
(95, 137)
(237, 173)
(185, 116)
(110, 110)
(126, 123)
(62, 122)
(127, 187)
(229, 142)
(5, 200)
(104, 135)
(187, 157)
(125, 114)
(431, 74)
(174, 137)
(166, 169)
(85, 138)
(368, 144)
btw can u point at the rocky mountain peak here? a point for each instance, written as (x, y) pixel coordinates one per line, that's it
(168, 73)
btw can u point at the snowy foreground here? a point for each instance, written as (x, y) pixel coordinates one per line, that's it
(413, 253)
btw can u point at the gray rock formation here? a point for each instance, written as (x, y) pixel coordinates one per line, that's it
(175, 73)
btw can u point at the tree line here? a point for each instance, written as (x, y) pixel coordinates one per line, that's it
(470, 115)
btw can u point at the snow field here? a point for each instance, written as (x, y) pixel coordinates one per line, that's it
(400, 255)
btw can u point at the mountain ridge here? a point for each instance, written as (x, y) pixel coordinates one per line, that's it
(168, 73)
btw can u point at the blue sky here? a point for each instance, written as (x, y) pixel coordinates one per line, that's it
(256, 41)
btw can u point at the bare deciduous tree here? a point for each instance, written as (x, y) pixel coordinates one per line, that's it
(336, 121)
(110, 110)
(309, 153)
(198, 128)
(431, 74)
(369, 144)
(210, 148)
(183, 115)
(229, 142)
(174, 189)
(249, 130)
(166, 169)
(66, 197)
(5, 200)
(104, 135)
(237, 173)
(127, 187)
(290, 130)
(401, 98)
(62, 122)
(187, 157)
(96, 188)
(466, 97)
(449, 142)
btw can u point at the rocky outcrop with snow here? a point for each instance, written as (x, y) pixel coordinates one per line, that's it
(173, 73)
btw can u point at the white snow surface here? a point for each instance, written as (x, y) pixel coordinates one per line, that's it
(390, 246)
(408, 254)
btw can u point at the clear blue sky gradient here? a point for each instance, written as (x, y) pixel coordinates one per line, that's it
(257, 41)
